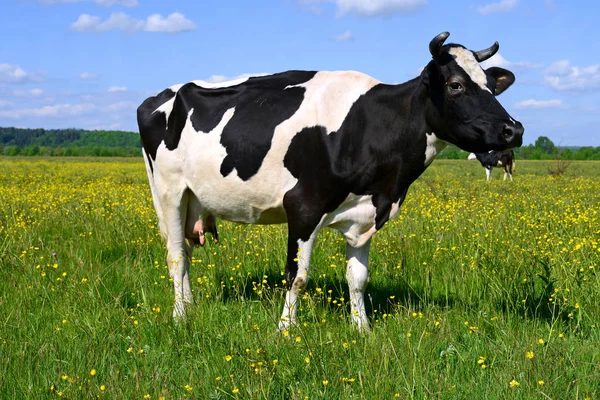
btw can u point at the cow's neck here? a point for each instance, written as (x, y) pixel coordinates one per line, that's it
(409, 138)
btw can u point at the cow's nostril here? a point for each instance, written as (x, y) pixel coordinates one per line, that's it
(508, 132)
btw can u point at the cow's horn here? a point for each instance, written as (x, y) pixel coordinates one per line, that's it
(436, 44)
(483, 55)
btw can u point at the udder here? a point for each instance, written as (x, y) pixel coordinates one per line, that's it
(207, 224)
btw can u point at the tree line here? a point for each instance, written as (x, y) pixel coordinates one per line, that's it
(542, 149)
(102, 143)
(68, 142)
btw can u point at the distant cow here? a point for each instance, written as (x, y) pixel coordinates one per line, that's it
(499, 159)
(313, 150)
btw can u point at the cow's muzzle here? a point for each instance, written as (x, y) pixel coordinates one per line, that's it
(513, 133)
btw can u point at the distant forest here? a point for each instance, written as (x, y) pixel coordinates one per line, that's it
(68, 142)
(78, 142)
(542, 149)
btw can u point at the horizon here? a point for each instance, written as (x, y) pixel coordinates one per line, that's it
(88, 64)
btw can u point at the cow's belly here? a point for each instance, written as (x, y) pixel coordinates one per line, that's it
(354, 218)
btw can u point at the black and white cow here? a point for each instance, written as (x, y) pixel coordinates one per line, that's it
(500, 159)
(313, 150)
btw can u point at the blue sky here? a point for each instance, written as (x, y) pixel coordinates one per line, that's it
(90, 63)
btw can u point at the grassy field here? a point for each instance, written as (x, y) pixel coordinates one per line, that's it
(478, 290)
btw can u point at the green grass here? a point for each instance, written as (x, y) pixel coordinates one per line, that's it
(470, 270)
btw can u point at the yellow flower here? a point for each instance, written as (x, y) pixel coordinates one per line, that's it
(147, 396)
(235, 391)
(228, 358)
(514, 383)
(188, 388)
(93, 372)
(298, 339)
(307, 360)
(541, 383)
(325, 382)
(529, 354)
(275, 362)
(102, 387)
(541, 341)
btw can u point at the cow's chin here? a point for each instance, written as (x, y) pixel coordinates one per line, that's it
(477, 143)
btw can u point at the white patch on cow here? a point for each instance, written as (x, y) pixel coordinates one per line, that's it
(433, 148)
(175, 88)
(500, 163)
(465, 59)
(216, 85)
(488, 173)
(166, 108)
(472, 156)
(354, 218)
(330, 95)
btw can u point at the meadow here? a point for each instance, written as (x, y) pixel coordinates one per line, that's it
(478, 290)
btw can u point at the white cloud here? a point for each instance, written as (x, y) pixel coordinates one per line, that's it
(114, 89)
(121, 106)
(14, 74)
(5, 104)
(86, 76)
(367, 8)
(539, 103)
(223, 78)
(55, 111)
(26, 93)
(344, 37)
(563, 76)
(373, 8)
(501, 6)
(498, 61)
(105, 3)
(173, 23)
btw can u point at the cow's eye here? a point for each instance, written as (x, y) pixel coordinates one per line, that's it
(455, 87)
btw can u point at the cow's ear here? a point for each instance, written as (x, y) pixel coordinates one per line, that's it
(503, 77)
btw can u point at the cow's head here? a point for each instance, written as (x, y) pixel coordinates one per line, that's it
(466, 112)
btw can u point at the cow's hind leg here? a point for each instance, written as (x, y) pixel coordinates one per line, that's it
(488, 174)
(179, 250)
(357, 274)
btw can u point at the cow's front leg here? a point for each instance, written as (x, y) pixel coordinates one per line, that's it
(296, 270)
(357, 274)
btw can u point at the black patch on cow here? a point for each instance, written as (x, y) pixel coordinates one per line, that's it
(373, 153)
(261, 103)
(152, 125)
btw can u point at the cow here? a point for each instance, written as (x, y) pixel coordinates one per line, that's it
(500, 159)
(335, 149)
